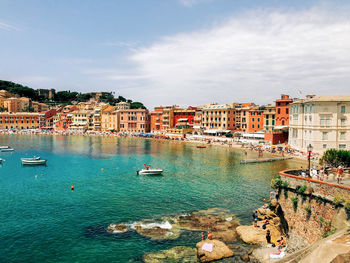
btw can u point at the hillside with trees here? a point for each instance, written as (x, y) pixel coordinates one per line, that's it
(63, 97)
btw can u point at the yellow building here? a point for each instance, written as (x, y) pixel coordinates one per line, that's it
(82, 120)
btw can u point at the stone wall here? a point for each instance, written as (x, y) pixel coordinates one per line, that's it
(314, 213)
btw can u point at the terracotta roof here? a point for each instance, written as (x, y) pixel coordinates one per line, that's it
(109, 109)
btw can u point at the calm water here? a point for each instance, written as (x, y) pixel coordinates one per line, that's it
(41, 220)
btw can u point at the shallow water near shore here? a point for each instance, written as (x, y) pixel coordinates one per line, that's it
(42, 220)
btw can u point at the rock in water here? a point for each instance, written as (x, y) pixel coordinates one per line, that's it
(117, 228)
(176, 254)
(220, 250)
(256, 235)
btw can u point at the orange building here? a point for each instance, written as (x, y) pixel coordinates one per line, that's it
(13, 104)
(156, 121)
(63, 118)
(282, 110)
(19, 120)
(255, 118)
(134, 120)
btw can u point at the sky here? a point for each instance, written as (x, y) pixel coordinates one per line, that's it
(183, 52)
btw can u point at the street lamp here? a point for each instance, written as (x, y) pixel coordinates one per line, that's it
(309, 150)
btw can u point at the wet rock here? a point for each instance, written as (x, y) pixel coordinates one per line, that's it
(256, 235)
(219, 250)
(226, 236)
(157, 230)
(117, 228)
(176, 254)
(266, 213)
(250, 251)
(245, 258)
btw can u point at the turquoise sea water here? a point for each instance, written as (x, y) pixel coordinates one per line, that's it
(42, 220)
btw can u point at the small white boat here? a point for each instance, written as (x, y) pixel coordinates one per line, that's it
(30, 159)
(33, 162)
(7, 150)
(150, 172)
(1, 161)
(4, 147)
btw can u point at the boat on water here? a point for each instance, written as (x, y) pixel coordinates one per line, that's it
(149, 171)
(31, 159)
(7, 150)
(4, 147)
(201, 146)
(33, 162)
(1, 161)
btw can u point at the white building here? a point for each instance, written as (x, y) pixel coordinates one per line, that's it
(322, 121)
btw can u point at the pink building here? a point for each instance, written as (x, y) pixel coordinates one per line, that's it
(134, 120)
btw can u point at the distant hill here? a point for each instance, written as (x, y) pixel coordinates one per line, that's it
(65, 97)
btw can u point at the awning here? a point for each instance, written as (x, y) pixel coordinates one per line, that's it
(183, 119)
(281, 127)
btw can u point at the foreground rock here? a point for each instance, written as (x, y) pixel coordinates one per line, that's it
(219, 251)
(176, 254)
(343, 258)
(256, 235)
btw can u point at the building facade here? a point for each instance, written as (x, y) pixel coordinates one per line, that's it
(322, 121)
(218, 117)
(134, 120)
(19, 120)
(269, 118)
(255, 118)
(109, 119)
(282, 110)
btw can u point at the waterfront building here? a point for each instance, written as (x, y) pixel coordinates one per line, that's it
(82, 120)
(134, 120)
(19, 120)
(156, 120)
(269, 118)
(241, 112)
(218, 119)
(48, 94)
(122, 105)
(63, 117)
(47, 119)
(168, 117)
(282, 110)
(255, 117)
(110, 118)
(186, 116)
(197, 125)
(322, 121)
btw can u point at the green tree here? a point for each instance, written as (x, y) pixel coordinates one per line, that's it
(334, 158)
(137, 105)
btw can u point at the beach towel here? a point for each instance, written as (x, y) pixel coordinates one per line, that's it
(277, 255)
(207, 247)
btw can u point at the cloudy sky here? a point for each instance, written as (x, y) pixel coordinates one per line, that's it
(184, 52)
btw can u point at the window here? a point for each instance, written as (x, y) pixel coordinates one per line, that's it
(258, 119)
(342, 136)
(267, 122)
(258, 126)
(342, 122)
(342, 109)
(253, 119)
(253, 126)
(273, 122)
(279, 111)
(324, 146)
(287, 111)
(325, 121)
(282, 122)
(342, 146)
(324, 135)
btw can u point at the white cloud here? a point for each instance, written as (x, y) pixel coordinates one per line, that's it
(251, 57)
(7, 27)
(33, 80)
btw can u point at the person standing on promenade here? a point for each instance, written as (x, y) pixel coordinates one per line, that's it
(339, 173)
(268, 237)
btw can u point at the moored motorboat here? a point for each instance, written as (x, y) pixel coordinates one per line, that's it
(7, 150)
(149, 171)
(33, 162)
(1, 161)
(31, 159)
(4, 147)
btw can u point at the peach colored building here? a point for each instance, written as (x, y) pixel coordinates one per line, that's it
(282, 110)
(134, 120)
(255, 120)
(109, 118)
(156, 121)
(13, 104)
(19, 120)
